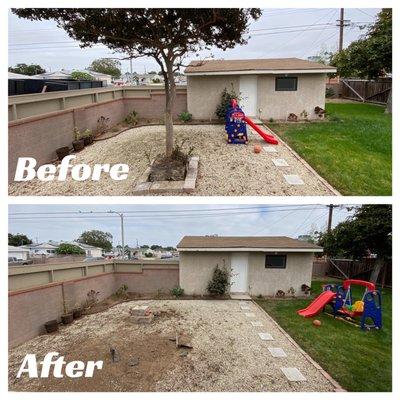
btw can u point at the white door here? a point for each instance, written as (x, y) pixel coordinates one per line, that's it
(248, 94)
(239, 267)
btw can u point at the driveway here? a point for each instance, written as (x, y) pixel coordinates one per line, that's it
(230, 351)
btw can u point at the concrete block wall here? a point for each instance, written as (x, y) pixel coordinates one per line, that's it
(31, 307)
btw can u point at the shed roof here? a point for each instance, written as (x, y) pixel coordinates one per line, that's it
(268, 65)
(273, 243)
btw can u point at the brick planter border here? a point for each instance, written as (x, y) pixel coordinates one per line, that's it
(187, 186)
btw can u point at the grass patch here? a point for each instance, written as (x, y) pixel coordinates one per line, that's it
(360, 361)
(351, 149)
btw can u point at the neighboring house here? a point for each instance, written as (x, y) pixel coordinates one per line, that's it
(13, 75)
(65, 74)
(258, 265)
(47, 249)
(18, 252)
(269, 88)
(90, 251)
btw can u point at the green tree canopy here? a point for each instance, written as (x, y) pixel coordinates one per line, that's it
(96, 238)
(167, 35)
(106, 66)
(18, 239)
(25, 69)
(368, 231)
(81, 76)
(66, 248)
(370, 56)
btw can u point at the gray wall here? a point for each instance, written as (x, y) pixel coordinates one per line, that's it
(204, 93)
(196, 268)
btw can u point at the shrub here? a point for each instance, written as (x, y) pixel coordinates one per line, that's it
(177, 291)
(81, 76)
(185, 116)
(329, 92)
(122, 291)
(132, 118)
(271, 120)
(80, 135)
(102, 125)
(66, 248)
(219, 282)
(225, 102)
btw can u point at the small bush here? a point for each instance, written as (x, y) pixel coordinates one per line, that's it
(103, 124)
(122, 291)
(185, 116)
(219, 282)
(271, 120)
(329, 92)
(225, 102)
(177, 291)
(132, 118)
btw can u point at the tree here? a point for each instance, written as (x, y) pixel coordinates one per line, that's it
(167, 35)
(97, 239)
(368, 231)
(18, 239)
(106, 66)
(81, 76)
(66, 248)
(24, 69)
(371, 56)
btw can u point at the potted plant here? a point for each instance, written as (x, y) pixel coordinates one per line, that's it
(87, 136)
(77, 312)
(67, 318)
(51, 326)
(62, 152)
(78, 143)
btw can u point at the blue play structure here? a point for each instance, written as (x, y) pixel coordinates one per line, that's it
(235, 124)
(369, 308)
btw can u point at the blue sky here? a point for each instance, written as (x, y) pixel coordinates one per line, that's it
(166, 224)
(278, 33)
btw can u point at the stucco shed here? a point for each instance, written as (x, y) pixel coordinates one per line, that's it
(269, 88)
(258, 265)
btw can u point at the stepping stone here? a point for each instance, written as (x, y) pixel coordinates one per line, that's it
(257, 323)
(293, 375)
(250, 315)
(293, 180)
(280, 162)
(277, 352)
(244, 307)
(265, 336)
(270, 149)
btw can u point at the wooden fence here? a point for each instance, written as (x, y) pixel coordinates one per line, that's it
(367, 91)
(359, 269)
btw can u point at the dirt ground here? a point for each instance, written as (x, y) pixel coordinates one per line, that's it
(227, 353)
(224, 169)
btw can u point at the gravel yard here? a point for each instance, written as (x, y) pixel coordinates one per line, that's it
(227, 353)
(224, 170)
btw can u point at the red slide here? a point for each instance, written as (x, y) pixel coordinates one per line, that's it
(317, 305)
(265, 136)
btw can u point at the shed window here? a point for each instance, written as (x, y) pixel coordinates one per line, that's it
(286, 84)
(275, 261)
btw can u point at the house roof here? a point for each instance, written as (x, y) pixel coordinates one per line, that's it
(268, 65)
(255, 243)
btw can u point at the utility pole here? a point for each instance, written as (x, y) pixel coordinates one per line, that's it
(330, 215)
(341, 24)
(121, 215)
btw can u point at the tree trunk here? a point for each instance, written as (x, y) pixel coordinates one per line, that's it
(377, 269)
(389, 104)
(170, 94)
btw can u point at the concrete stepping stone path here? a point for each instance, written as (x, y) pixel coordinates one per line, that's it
(265, 336)
(277, 352)
(293, 375)
(293, 180)
(250, 315)
(280, 162)
(257, 323)
(270, 149)
(244, 307)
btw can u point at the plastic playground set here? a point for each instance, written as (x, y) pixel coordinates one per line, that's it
(365, 313)
(236, 129)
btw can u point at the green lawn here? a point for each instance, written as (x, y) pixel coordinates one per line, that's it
(352, 149)
(359, 360)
